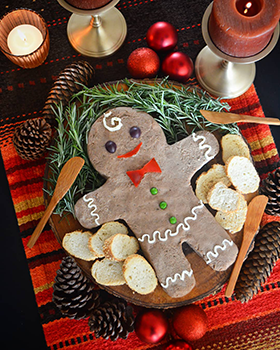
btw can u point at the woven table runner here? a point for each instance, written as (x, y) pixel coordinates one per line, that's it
(232, 325)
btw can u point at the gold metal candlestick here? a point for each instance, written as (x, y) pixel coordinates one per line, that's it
(223, 75)
(96, 33)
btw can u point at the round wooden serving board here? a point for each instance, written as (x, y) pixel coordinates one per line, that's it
(208, 281)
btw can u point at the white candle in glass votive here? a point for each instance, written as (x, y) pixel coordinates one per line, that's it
(24, 39)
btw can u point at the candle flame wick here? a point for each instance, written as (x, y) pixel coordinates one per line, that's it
(247, 7)
(21, 35)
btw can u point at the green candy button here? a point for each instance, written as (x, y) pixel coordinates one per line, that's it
(172, 220)
(163, 205)
(154, 190)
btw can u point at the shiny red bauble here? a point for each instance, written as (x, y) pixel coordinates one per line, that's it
(143, 63)
(162, 36)
(177, 345)
(190, 322)
(178, 66)
(151, 326)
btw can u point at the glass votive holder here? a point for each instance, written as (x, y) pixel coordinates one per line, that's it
(24, 38)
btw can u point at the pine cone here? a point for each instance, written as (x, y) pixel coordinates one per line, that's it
(31, 138)
(113, 319)
(271, 189)
(260, 262)
(73, 293)
(66, 85)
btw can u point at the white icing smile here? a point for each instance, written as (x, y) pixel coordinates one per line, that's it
(202, 145)
(185, 226)
(90, 206)
(175, 277)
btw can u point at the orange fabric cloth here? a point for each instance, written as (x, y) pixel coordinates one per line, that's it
(232, 325)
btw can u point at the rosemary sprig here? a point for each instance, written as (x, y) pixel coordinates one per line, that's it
(175, 109)
(71, 142)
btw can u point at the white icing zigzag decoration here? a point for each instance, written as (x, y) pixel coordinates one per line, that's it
(91, 205)
(168, 232)
(202, 145)
(215, 253)
(115, 121)
(194, 217)
(176, 276)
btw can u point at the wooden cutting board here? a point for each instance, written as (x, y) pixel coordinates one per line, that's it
(208, 281)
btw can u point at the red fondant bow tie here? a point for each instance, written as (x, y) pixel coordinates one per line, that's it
(136, 176)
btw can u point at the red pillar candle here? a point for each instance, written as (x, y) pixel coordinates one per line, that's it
(88, 4)
(243, 28)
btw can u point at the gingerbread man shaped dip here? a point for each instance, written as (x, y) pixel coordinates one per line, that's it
(148, 186)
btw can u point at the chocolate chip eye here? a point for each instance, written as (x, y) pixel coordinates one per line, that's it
(135, 132)
(110, 146)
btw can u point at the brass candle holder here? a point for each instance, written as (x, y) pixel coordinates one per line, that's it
(96, 33)
(223, 75)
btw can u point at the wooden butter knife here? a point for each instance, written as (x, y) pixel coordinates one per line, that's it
(67, 176)
(254, 215)
(229, 118)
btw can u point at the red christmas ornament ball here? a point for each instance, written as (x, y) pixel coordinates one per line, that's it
(151, 326)
(177, 345)
(143, 63)
(190, 322)
(178, 66)
(162, 36)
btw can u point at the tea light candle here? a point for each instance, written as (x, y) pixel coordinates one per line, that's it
(24, 39)
(243, 28)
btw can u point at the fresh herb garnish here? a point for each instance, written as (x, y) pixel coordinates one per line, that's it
(175, 109)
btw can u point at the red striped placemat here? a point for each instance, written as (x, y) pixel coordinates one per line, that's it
(232, 325)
